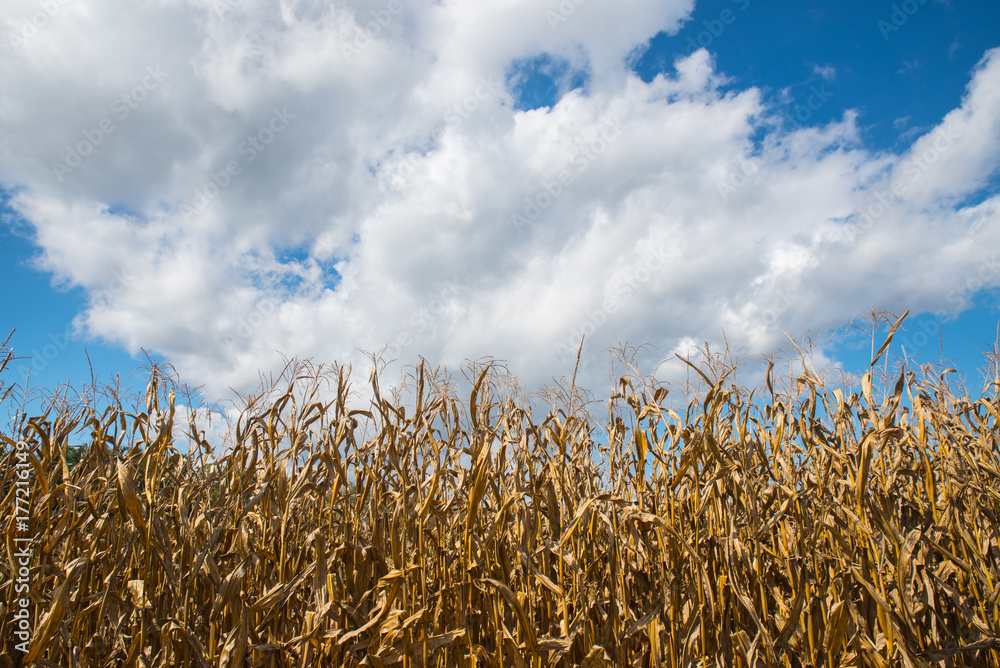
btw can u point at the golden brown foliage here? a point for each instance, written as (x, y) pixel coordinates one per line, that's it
(820, 529)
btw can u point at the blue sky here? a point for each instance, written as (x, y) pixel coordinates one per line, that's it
(224, 184)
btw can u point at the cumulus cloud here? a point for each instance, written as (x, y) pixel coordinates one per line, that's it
(234, 182)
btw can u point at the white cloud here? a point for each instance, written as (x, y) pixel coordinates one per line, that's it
(958, 157)
(405, 203)
(828, 72)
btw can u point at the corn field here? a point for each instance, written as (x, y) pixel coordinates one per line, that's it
(800, 528)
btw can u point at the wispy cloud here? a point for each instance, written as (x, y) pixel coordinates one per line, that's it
(827, 72)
